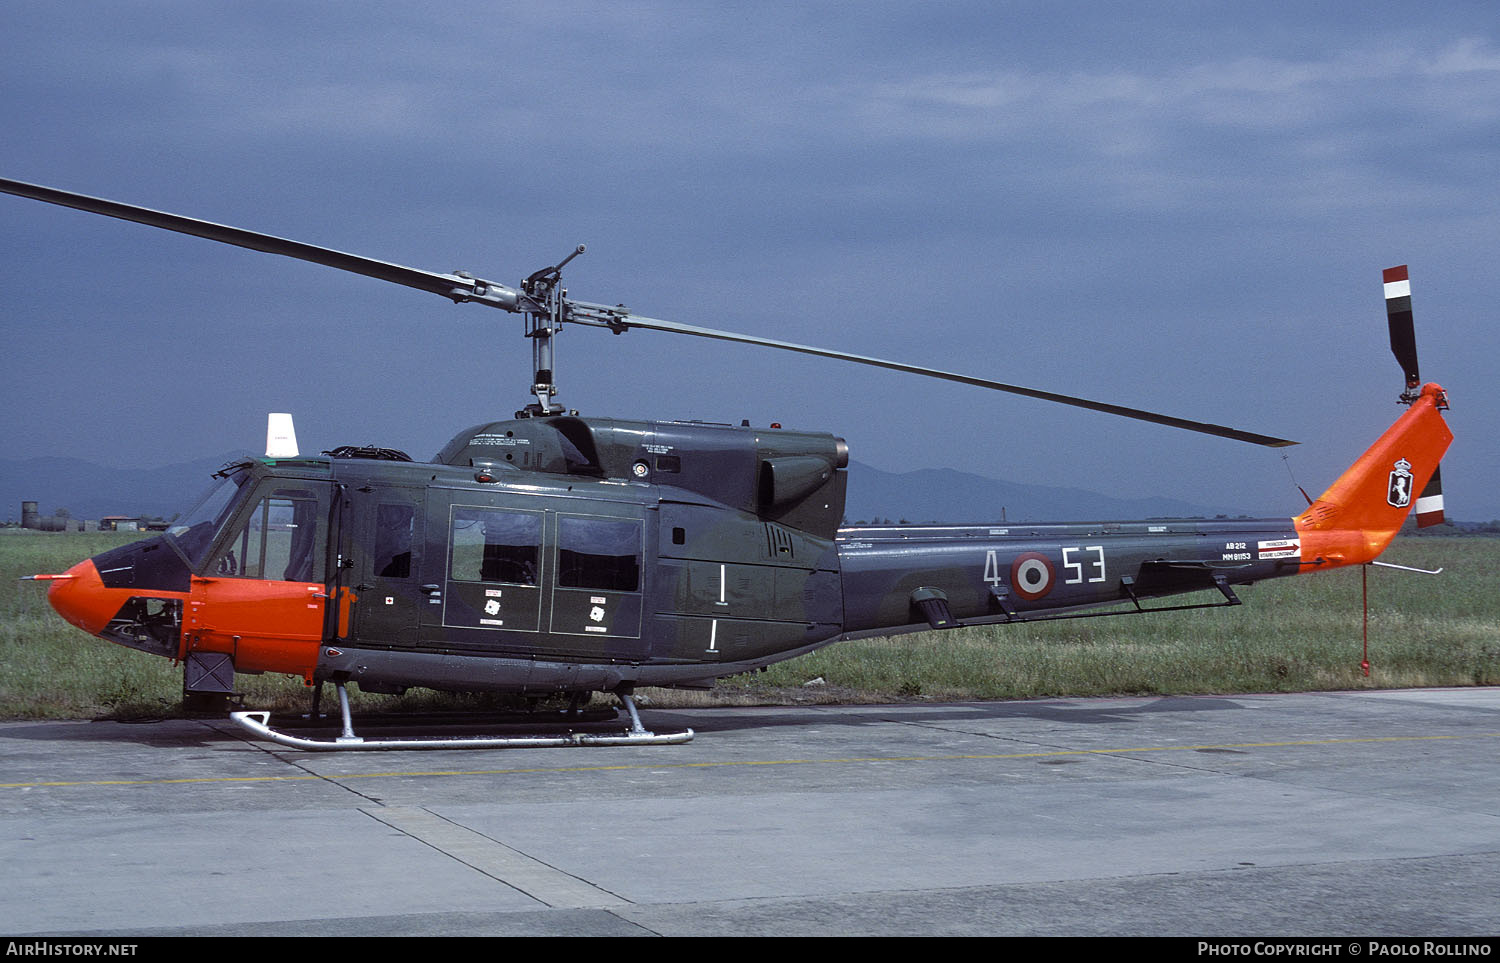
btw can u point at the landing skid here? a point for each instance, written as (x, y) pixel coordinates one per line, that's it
(258, 724)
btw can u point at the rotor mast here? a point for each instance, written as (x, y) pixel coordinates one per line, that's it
(544, 301)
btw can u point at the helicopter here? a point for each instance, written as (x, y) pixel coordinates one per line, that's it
(556, 554)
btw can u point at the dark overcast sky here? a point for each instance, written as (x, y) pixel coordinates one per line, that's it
(1183, 208)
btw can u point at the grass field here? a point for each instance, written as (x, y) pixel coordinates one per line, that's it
(1290, 635)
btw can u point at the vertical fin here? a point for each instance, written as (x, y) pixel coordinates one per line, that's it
(1356, 518)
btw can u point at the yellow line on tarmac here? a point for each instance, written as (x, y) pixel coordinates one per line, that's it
(847, 760)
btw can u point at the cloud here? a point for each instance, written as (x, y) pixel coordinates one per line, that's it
(1318, 133)
(1255, 94)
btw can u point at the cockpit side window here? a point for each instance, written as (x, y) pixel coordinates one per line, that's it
(281, 540)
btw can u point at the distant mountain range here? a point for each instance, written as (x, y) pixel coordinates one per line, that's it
(945, 495)
(92, 491)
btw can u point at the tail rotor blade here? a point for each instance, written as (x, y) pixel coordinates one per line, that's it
(1398, 317)
(1430, 503)
(1429, 508)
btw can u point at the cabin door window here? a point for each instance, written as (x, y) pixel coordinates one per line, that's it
(494, 569)
(598, 589)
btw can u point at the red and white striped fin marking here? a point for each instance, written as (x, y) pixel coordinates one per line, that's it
(1429, 507)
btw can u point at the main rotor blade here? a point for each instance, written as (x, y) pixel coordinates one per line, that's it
(447, 285)
(461, 289)
(636, 321)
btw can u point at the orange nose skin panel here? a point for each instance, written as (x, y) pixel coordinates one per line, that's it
(1353, 521)
(265, 626)
(82, 599)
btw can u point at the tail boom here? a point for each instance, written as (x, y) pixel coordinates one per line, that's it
(1355, 519)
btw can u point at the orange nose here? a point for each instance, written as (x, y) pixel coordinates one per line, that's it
(83, 600)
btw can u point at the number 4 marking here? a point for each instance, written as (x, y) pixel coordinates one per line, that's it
(1077, 567)
(991, 568)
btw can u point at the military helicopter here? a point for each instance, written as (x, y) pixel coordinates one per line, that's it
(550, 553)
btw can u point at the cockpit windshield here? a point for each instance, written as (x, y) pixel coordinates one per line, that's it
(193, 532)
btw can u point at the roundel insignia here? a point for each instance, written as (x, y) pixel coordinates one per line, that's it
(1031, 575)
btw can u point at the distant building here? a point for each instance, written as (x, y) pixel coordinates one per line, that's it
(36, 521)
(127, 523)
(64, 522)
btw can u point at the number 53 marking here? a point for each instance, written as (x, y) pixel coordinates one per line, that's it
(1076, 567)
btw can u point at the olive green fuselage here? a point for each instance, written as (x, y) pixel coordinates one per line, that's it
(568, 554)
